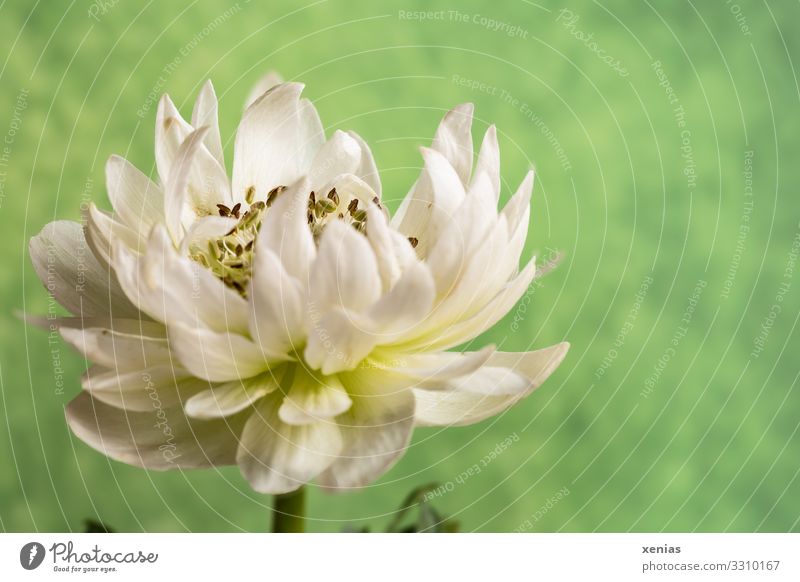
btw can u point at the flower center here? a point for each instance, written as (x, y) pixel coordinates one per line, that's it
(230, 257)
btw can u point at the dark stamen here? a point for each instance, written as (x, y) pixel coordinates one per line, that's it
(414, 241)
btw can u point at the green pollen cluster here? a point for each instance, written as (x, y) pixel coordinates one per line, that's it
(230, 257)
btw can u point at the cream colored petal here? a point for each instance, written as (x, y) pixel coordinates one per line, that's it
(263, 85)
(205, 114)
(159, 439)
(367, 170)
(453, 139)
(207, 183)
(230, 398)
(341, 154)
(121, 351)
(393, 251)
(338, 341)
(205, 229)
(276, 457)
(70, 272)
(101, 228)
(277, 304)
(424, 210)
(137, 201)
(432, 370)
(277, 139)
(174, 289)
(171, 131)
(345, 273)
(463, 331)
(285, 232)
(460, 406)
(376, 430)
(196, 184)
(489, 161)
(516, 208)
(397, 313)
(313, 398)
(218, 357)
(141, 390)
(462, 237)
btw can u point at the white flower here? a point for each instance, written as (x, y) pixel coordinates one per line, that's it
(280, 320)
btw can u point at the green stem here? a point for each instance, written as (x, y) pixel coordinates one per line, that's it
(288, 512)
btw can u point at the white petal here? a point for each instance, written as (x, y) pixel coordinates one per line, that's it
(207, 182)
(516, 208)
(138, 202)
(230, 398)
(161, 438)
(430, 370)
(313, 398)
(205, 229)
(118, 350)
(70, 272)
(338, 341)
(102, 227)
(403, 308)
(461, 407)
(345, 272)
(276, 457)
(171, 288)
(196, 184)
(218, 357)
(463, 331)
(376, 430)
(489, 160)
(141, 390)
(277, 139)
(393, 251)
(424, 210)
(205, 114)
(454, 139)
(464, 233)
(276, 304)
(263, 85)
(367, 170)
(285, 232)
(339, 155)
(171, 131)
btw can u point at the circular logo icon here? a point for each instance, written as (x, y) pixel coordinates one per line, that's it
(31, 555)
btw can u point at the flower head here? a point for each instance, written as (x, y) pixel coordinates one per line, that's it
(281, 320)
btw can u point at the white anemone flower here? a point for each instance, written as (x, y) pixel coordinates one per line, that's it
(280, 320)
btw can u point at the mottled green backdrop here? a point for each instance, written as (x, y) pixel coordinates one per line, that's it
(664, 136)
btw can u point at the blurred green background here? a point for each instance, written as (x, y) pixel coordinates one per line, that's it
(665, 141)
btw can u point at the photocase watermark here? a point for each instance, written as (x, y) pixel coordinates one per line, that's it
(474, 470)
(680, 332)
(100, 8)
(20, 105)
(622, 334)
(167, 70)
(168, 448)
(760, 341)
(491, 24)
(679, 113)
(569, 20)
(744, 226)
(546, 507)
